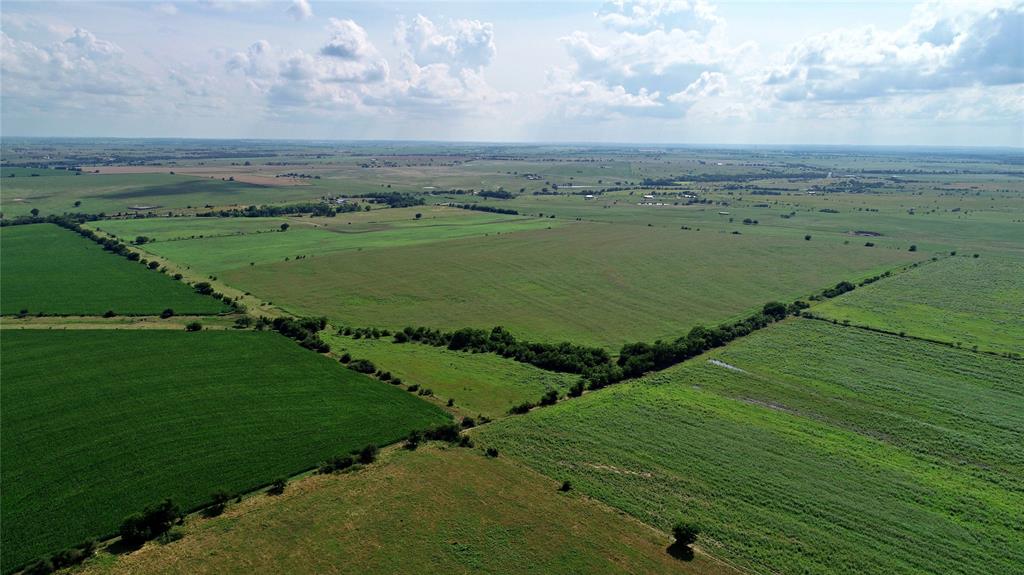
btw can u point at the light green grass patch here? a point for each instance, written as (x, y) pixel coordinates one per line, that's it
(589, 283)
(964, 300)
(478, 383)
(315, 238)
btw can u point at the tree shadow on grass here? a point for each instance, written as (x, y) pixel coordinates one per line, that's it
(680, 551)
(121, 547)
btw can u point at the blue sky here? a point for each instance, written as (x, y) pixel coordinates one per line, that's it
(667, 71)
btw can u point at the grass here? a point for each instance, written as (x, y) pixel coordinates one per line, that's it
(428, 511)
(966, 300)
(589, 283)
(835, 450)
(117, 193)
(478, 383)
(50, 270)
(99, 424)
(316, 237)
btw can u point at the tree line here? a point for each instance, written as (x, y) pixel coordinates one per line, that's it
(479, 208)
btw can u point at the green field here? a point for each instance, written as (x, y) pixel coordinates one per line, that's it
(963, 300)
(225, 249)
(119, 193)
(50, 270)
(426, 511)
(589, 283)
(834, 450)
(478, 383)
(99, 424)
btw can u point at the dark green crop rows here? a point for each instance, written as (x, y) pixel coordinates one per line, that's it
(49, 270)
(99, 424)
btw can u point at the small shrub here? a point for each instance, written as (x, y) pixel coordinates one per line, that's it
(465, 441)
(550, 397)
(577, 388)
(491, 452)
(413, 387)
(109, 313)
(345, 357)
(167, 313)
(277, 487)
(468, 422)
(566, 486)
(362, 366)
(368, 454)
(194, 326)
(219, 501)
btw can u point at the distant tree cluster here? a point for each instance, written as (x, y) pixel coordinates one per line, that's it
(392, 199)
(837, 290)
(156, 520)
(491, 209)
(563, 357)
(500, 194)
(304, 330)
(265, 211)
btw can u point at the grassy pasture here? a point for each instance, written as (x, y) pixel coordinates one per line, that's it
(428, 511)
(941, 221)
(116, 193)
(313, 237)
(51, 270)
(589, 283)
(835, 450)
(966, 300)
(98, 424)
(478, 383)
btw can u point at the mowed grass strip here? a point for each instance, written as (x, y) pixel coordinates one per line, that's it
(810, 460)
(964, 300)
(99, 424)
(428, 511)
(478, 383)
(47, 269)
(589, 283)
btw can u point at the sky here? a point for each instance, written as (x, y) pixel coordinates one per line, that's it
(638, 71)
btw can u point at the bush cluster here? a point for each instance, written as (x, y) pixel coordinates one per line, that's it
(303, 330)
(154, 521)
(563, 357)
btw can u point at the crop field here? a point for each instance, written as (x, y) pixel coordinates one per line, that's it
(315, 237)
(99, 424)
(50, 270)
(427, 511)
(122, 193)
(814, 448)
(589, 283)
(973, 302)
(481, 383)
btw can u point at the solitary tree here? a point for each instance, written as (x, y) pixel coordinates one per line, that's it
(284, 227)
(684, 535)
(34, 212)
